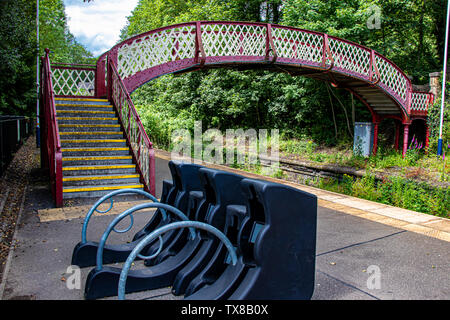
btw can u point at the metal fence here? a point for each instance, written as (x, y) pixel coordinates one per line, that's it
(13, 131)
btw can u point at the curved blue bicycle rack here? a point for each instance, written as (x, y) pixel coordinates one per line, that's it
(174, 193)
(101, 282)
(254, 240)
(112, 226)
(84, 253)
(176, 225)
(110, 196)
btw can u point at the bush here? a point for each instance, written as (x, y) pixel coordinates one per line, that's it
(395, 191)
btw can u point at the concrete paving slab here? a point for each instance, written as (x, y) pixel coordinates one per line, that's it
(403, 214)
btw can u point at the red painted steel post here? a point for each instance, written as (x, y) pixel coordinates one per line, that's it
(151, 171)
(200, 55)
(372, 55)
(405, 137)
(375, 138)
(427, 136)
(58, 180)
(100, 89)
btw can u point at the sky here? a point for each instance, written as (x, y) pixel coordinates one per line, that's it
(97, 24)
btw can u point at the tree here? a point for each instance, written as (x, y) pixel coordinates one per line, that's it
(55, 35)
(17, 57)
(18, 50)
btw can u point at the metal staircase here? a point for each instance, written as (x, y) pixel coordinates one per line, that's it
(95, 156)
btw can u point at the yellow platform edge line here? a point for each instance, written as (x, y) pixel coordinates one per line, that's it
(68, 179)
(103, 188)
(83, 105)
(93, 149)
(90, 125)
(86, 111)
(82, 99)
(97, 158)
(125, 166)
(86, 118)
(93, 140)
(92, 133)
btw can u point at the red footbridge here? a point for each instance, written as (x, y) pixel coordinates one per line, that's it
(372, 78)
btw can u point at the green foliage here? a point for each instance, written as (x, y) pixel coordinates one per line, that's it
(409, 32)
(395, 191)
(18, 50)
(295, 146)
(54, 34)
(17, 58)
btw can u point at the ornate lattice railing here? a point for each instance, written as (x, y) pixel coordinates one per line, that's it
(74, 80)
(420, 101)
(51, 143)
(189, 45)
(137, 138)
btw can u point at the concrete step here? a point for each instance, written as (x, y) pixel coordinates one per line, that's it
(73, 143)
(87, 120)
(110, 179)
(86, 113)
(95, 191)
(88, 127)
(97, 161)
(96, 135)
(81, 107)
(81, 101)
(94, 151)
(87, 170)
(96, 158)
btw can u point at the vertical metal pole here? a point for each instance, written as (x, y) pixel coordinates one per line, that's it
(38, 131)
(405, 138)
(439, 151)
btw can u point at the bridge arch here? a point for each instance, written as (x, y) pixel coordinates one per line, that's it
(372, 78)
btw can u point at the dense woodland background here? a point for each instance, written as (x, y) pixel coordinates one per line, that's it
(411, 34)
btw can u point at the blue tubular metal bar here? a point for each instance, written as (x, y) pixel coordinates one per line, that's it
(94, 208)
(128, 212)
(158, 232)
(156, 253)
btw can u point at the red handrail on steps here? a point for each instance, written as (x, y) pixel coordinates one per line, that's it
(137, 138)
(52, 144)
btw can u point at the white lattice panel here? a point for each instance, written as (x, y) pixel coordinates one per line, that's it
(419, 101)
(392, 78)
(296, 44)
(155, 49)
(234, 40)
(350, 57)
(73, 82)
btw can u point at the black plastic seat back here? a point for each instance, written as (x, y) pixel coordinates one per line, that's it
(221, 189)
(277, 242)
(275, 238)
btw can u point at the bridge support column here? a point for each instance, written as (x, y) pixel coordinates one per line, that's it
(427, 136)
(405, 137)
(375, 138)
(397, 136)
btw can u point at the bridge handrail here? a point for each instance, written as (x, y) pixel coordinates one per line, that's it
(220, 38)
(53, 153)
(420, 102)
(74, 80)
(136, 135)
